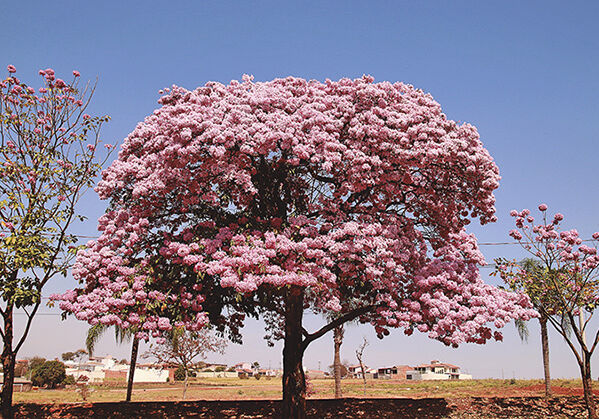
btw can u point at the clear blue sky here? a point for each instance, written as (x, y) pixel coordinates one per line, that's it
(525, 73)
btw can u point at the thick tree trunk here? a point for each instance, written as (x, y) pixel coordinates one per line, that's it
(545, 347)
(8, 364)
(338, 340)
(294, 383)
(587, 384)
(133, 362)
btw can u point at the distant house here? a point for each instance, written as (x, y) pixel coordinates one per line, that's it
(243, 366)
(99, 370)
(396, 372)
(437, 371)
(215, 366)
(354, 371)
(372, 374)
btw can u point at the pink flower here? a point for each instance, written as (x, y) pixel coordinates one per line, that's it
(11, 68)
(76, 73)
(516, 234)
(543, 207)
(164, 324)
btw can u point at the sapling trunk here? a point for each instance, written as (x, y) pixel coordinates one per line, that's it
(338, 340)
(545, 348)
(8, 364)
(134, 349)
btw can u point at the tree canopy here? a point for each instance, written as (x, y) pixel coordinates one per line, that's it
(347, 188)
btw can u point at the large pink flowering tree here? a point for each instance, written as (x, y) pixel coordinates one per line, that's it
(346, 197)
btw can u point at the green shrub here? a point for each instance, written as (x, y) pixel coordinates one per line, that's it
(50, 373)
(69, 380)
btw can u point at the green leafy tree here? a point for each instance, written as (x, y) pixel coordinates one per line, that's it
(76, 356)
(50, 373)
(48, 158)
(68, 356)
(35, 362)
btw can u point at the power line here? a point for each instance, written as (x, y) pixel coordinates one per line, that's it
(81, 236)
(520, 243)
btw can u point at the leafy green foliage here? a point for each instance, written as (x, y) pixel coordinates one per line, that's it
(69, 380)
(36, 362)
(180, 373)
(95, 332)
(78, 355)
(50, 373)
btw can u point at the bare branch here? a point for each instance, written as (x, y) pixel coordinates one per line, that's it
(337, 322)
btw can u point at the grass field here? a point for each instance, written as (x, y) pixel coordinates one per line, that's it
(236, 389)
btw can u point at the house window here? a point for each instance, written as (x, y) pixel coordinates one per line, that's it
(408, 376)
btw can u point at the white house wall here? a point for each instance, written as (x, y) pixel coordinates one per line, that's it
(149, 376)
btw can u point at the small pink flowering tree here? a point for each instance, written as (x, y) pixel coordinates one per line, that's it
(348, 198)
(565, 288)
(48, 159)
(183, 349)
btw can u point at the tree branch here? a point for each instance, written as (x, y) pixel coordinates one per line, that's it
(26, 332)
(337, 322)
(558, 327)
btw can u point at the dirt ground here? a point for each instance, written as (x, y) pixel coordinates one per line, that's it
(475, 407)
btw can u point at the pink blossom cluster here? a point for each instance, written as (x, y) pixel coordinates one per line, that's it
(560, 251)
(117, 291)
(451, 302)
(351, 189)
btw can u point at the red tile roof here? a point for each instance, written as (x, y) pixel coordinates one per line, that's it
(439, 364)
